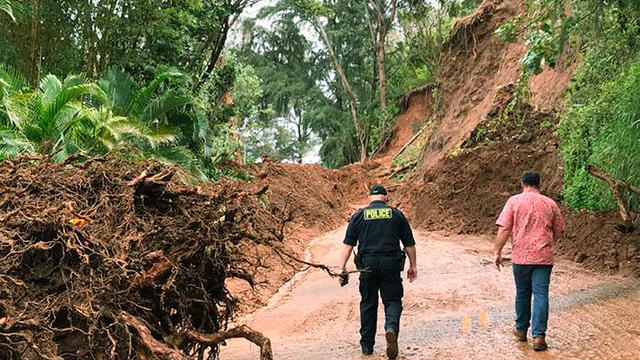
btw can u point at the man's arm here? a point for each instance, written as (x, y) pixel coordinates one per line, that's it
(406, 236)
(501, 240)
(412, 273)
(558, 224)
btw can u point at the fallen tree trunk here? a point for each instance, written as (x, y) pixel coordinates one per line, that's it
(403, 168)
(242, 331)
(627, 225)
(417, 135)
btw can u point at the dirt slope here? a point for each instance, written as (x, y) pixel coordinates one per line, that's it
(315, 197)
(479, 146)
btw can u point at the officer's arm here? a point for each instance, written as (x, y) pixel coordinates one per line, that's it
(411, 252)
(344, 255)
(350, 240)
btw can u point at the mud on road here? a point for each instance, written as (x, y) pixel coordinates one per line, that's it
(459, 308)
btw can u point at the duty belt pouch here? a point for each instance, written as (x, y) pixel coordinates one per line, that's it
(402, 258)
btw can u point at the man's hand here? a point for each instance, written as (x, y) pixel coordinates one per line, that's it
(412, 273)
(344, 277)
(498, 260)
(501, 240)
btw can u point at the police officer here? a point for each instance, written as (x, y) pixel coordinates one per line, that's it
(378, 230)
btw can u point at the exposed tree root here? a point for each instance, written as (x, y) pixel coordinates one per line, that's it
(242, 331)
(114, 260)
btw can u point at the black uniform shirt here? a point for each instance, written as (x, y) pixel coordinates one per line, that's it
(378, 229)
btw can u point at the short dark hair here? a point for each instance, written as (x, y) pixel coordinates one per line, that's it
(531, 178)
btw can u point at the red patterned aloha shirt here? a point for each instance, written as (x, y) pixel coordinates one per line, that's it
(533, 219)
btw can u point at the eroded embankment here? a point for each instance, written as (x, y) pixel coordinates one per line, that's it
(476, 144)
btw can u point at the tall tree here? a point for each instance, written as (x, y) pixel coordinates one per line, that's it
(318, 15)
(384, 17)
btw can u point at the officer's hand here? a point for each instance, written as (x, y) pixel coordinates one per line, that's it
(344, 277)
(412, 274)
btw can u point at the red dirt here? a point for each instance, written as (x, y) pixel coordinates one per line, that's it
(472, 161)
(417, 106)
(317, 198)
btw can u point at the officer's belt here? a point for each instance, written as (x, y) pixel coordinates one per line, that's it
(381, 253)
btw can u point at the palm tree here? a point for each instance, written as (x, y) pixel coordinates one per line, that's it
(163, 114)
(63, 118)
(14, 96)
(60, 119)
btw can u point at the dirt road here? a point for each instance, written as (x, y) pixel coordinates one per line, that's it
(459, 308)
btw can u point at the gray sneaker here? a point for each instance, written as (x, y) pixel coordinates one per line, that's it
(392, 344)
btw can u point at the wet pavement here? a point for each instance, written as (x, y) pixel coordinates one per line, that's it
(460, 307)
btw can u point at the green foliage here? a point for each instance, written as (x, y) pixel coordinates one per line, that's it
(603, 132)
(409, 156)
(5, 6)
(303, 98)
(600, 126)
(116, 115)
(546, 27)
(140, 36)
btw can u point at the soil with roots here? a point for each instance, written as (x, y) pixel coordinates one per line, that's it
(107, 259)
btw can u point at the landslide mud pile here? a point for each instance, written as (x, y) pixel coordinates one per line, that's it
(116, 260)
(480, 144)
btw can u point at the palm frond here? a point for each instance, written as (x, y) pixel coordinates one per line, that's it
(15, 108)
(13, 143)
(119, 86)
(10, 79)
(182, 156)
(50, 87)
(158, 108)
(5, 6)
(50, 116)
(161, 135)
(145, 94)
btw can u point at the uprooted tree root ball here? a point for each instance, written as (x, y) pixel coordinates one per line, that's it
(116, 260)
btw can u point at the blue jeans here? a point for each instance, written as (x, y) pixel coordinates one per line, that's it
(383, 276)
(532, 280)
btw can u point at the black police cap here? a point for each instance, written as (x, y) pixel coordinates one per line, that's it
(377, 190)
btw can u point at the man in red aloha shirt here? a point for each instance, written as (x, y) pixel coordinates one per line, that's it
(534, 223)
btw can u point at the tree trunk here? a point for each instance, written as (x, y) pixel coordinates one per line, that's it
(615, 185)
(34, 71)
(216, 50)
(90, 62)
(233, 126)
(382, 74)
(353, 103)
(384, 24)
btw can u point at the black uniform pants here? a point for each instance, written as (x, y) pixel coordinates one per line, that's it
(383, 276)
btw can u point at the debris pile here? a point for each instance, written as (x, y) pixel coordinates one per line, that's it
(106, 259)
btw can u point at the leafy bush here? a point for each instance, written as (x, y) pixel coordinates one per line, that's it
(602, 128)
